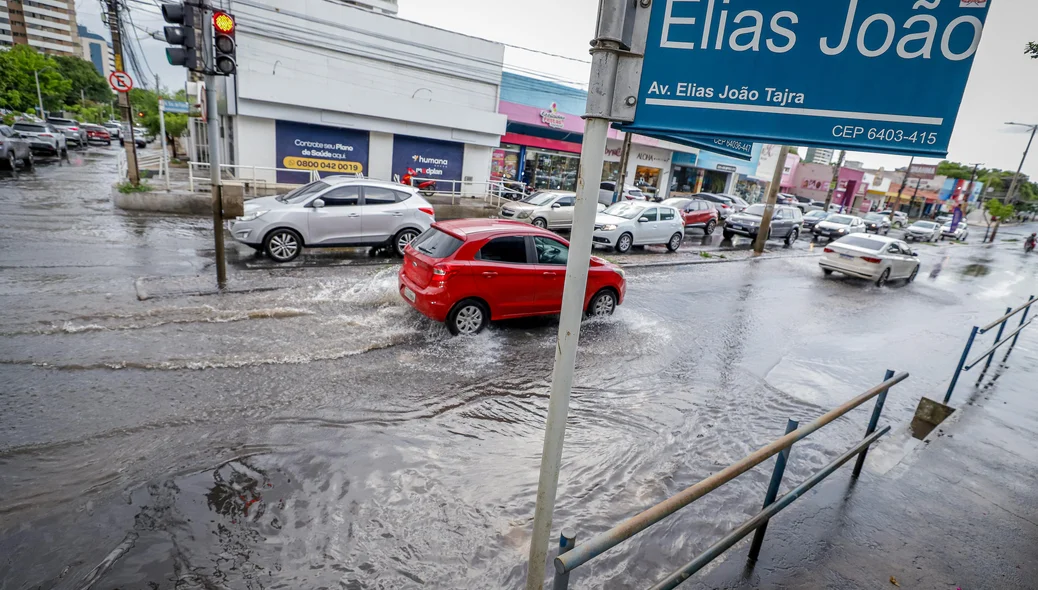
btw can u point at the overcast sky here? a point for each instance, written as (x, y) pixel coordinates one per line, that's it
(1003, 86)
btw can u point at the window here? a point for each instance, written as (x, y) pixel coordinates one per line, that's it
(343, 196)
(6, 132)
(863, 242)
(651, 214)
(376, 195)
(781, 214)
(304, 192)
(894, 249)
(510, 249)
(608, 186)
(666, 214)
(436, 244)
(566, 201)
(550, 251)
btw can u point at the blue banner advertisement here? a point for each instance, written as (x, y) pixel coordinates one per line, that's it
(329, 150)
(881, 76)
(428, 159)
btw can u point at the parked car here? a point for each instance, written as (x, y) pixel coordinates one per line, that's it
(923, 231)
(14, 149)
(786, 223)
(876, 258)
(97, 133)
(788, 199)
(335, 211)
(638, 223)
(468, 272)
(737, 202)
(73, 131)
(943, 219)
(838, 225)
(900, 219)
(550, 209)
(961, 232)
(608, 187)
(43, 138)
(812, 218)
(695, 213)
(143, 133)
(115, 130)
(877, 224)
(722, 203)
(803, 203)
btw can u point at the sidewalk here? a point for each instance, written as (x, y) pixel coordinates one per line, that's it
(960, 511)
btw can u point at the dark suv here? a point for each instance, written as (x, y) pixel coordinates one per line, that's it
(786, 223)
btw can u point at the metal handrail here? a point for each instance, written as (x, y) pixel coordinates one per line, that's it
(605, 541)
(1008, 315)
(997, 345)
(762, 517)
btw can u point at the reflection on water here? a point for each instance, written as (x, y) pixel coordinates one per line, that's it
(976, 270)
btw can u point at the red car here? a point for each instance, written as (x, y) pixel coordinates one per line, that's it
(696, 213)
(467, 272)
(98, 133)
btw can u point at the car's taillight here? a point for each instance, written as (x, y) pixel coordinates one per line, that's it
(872, 260)
(828, 250)
(440, 274)
(46, 135)
(73, 128)
(428, 211)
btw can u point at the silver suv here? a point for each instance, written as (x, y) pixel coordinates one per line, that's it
(336, 211)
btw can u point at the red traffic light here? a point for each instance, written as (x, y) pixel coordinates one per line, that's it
(140, 113)
(223, 23)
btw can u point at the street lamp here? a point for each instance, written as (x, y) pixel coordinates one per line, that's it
(1016, 177)
(39, 96)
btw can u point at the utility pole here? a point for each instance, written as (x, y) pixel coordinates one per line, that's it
(39, 97)
(213, 125)
(602, 108)
(901, 190)
(836, 179)
(1011, 195)
(625, 157)
(124, 97)
(769, 207)
(969, 188)
(164, 162)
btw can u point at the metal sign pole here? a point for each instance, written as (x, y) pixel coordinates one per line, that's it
(769, 207)
(213, 119)
(162, 136)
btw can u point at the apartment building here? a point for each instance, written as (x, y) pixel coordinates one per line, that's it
(47, 25)
(97, 50)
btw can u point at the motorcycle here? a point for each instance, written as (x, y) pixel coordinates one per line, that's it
(426, 188)
(1029, 246)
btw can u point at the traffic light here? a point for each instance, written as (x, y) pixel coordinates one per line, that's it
(183, 35)
(225, 62)
(140, 113)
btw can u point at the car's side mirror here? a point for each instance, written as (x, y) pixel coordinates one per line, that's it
(317, 203)
(915, 254)
(556, 205)
(643, 220)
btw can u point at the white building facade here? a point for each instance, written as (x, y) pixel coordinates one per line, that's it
(344, 89)
(47, 25)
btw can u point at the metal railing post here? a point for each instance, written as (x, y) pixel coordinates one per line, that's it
(191, 176)
(998, 339)
(962, 362)
(1022, 321)
(773, 489)
(566, 542)
(873, 423)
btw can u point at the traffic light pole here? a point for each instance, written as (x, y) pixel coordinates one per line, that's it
(212, 118)
(124, 97)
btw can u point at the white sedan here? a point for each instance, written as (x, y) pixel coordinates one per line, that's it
(960, 233)
(638, 223)
(876, 258)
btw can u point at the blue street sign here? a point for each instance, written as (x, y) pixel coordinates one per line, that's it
(879, 76)
(734, 148)
(175, 106)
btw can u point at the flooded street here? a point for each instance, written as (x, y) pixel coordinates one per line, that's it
(317, 432)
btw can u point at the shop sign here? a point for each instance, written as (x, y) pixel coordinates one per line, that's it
(726, 168)
(923, 171)
(733, 73)
(328, 150)
(553, 118)
(614, 152)
(427, 158)
(647, 157)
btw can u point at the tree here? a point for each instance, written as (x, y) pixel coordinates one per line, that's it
(998, 211)
(1032, 50)
(18, 83)
(85, 78)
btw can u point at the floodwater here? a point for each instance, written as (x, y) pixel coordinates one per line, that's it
(317, 432)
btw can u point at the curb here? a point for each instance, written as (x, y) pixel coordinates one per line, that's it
(714, 259)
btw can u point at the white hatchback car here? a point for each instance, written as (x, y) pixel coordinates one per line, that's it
(876, 258)
(638, 223)
(335, 211)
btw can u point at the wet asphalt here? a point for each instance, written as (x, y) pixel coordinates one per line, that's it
(314, 431)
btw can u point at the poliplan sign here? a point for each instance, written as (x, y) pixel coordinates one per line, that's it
(791, 71)
(329, 150)
(427, 158)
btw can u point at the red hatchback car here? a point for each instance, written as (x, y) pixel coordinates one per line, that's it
(467, 272)
(696, 213)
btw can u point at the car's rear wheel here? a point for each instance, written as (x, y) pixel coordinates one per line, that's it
(792, 237)
(403, 238)
(283, 245)
(623, 245)
(468, 317)
(710, 225)
(883, 278)
(674, 243)
(827, 272)
(541, 222)
(602, 304)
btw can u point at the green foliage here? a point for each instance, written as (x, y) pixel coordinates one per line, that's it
(998, 209)
(84, 78)
(127, 187)
(18, 84)
(1032, 49)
